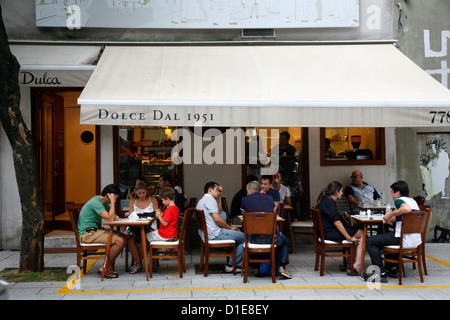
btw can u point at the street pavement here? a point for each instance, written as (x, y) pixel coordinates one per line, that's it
(306, 284)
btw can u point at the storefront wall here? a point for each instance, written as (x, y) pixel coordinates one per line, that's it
(425, 41)
(376, 21)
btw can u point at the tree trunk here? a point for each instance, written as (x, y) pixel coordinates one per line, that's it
(32, 241)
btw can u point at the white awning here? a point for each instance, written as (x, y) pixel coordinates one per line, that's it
(372, 85)
(55, 65)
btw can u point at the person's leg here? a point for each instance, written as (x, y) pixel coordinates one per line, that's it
(376, 243)
(238, 237)
(132, 247)
(359, 254)
(116, 249)
(282, 244)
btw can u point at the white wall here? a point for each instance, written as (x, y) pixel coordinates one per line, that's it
(381, 177)
(195, 176)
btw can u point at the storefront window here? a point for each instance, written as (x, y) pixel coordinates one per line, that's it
(145, 153)
(347, 146)
(292, 144)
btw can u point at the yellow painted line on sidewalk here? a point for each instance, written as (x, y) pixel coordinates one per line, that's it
(70, 284)
(254, 288)
(446, 264)
(67, 288)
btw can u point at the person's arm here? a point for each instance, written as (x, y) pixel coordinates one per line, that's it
(222, 223)
(155, 203)
(130, 208)
(111, 214)
(160, 218)
(353, 201)
(287, 200)
(338, 224)
(390, 217)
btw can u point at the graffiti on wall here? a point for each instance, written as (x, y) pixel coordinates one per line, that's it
(434, 163)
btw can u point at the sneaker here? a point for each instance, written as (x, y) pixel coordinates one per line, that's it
(383, 277)
(229, 269)
(284, 273)
(393, 273)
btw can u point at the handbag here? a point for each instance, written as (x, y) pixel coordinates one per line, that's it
(348, 221)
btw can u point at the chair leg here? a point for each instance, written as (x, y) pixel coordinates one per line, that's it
(292, 238)
(151, 261)
(180, 263)
(234, 261)
(400, 267)
(202, 254)
(322, 263)
(419, 263)
(183, 259)
(272, 262)
(206, 266)
(424, 264)
(245, 258)
(79, 261)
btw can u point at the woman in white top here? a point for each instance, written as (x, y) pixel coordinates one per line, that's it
(140, 204)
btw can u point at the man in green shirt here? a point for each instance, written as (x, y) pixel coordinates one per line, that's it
(90, 221)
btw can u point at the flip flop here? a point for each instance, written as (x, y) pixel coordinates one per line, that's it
(135, 269)
(355, 272)
(113, 274)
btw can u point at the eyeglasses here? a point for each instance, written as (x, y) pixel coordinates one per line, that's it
(354, 177)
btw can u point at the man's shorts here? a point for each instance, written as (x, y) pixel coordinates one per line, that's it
(98, 236)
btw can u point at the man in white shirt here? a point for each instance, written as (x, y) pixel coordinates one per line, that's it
(404, 205)
(217, 227)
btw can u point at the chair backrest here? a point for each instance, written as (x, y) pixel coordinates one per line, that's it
(192, 202)
(200, 217)
(185, 225)
(74, 213)
(420, 200)
(262, 223)
(425, 207)
(318, 226)
(225, 208)
(414, 222)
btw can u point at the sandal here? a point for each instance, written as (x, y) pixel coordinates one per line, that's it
(112, 274)
(355, 272)
(135, 269)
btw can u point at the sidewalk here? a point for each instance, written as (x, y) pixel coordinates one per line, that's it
(306, 284)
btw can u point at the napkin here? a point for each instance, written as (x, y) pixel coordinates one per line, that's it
(133, 216)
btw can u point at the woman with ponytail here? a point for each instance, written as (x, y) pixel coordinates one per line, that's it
(333, 228)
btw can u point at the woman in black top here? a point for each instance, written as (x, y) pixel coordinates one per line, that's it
(333, 228)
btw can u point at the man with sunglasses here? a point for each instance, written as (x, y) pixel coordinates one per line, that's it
(359, 192)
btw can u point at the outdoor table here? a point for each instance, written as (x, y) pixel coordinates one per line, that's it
(279, 219)
(373, 208)
(143, 222)
(366, 221)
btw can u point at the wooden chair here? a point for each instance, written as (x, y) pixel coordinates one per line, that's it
(259, 223)
(321, 246)
(413, 222)
(177, 246)
(207, 245)
(427, 208)
(225, 208)
(191, 204)
(305, 226)
(84, 251)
